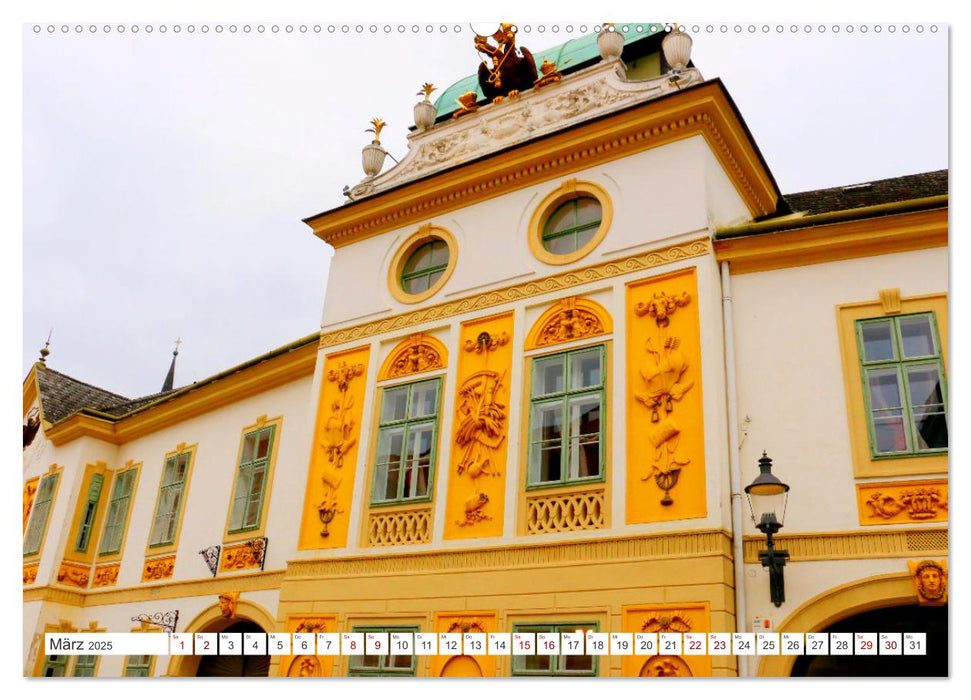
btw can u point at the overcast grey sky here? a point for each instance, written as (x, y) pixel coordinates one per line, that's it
(166, 175)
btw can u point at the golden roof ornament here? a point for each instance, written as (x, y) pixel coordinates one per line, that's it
(467, 104)
(427, 89)
(376, 125)
(548, 73)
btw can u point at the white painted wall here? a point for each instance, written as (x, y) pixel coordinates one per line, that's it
(790, 374)
(657, 195)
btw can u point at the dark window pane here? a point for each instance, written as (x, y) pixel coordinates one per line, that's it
(878, 341)
(931, 429)
(925, 385)
(917, 337)
(884, 389)
(890, 434)
(588, 211)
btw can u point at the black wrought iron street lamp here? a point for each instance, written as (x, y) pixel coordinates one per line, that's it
(767, 500)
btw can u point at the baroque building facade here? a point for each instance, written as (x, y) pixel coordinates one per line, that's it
(593, 309)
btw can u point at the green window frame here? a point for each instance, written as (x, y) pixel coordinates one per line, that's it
(254, 463)
(84, 666)
(904, 385)
(87, 516)
(567, 391)
(572, 225)
(118, 506)
(398, 665)
(39, 514)
(166, 521)
(55, 666)
(557, 664)
(425, 266)
(139, 666)
(404, 461)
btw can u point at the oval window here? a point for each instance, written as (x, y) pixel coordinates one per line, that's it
(424, 267)
(572, 225)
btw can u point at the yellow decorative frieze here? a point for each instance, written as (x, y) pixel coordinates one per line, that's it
(247, 555)
(666, 473)
(923, 501)
(418, 353)
(565, 512)
(330, 482)
(106, 575)
(77, 575)
(854, 545)
(388, 528)
(30, 574)
(679, 618)
(565, 280)
(573, 318)
(475, 499)
(930, 580)
(158, 569)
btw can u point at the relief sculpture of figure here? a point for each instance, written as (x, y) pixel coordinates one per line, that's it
(481, 431)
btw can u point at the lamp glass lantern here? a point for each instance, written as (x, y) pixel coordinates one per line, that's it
(767, 498)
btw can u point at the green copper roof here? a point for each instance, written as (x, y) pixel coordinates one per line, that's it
(567, 56)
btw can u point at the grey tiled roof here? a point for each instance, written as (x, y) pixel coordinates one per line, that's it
(62, 395)
(895, 189)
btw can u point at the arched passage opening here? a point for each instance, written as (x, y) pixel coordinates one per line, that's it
(905, 618)
(241, 666)
(249, 617)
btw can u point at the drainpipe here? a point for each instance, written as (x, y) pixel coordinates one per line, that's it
(735, 470)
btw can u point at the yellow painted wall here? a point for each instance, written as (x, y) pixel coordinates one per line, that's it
(665, 417)
(477, 469)
(335, 448)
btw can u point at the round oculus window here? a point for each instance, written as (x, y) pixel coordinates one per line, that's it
(424, 267)
(572, 225)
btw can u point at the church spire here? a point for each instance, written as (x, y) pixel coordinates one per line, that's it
(169, 382)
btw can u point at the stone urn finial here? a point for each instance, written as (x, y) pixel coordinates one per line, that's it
(677, 48)
(610, 41)
(372, 155)
(425, 111)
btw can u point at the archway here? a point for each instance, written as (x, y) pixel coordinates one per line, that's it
(905, 618)
(241, 666)
(830, 607)
(212, 620)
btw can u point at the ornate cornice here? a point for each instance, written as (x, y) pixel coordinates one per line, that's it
(593, 92)
(258, 581)
(855, 545)
(703, 109)
(564, 280)
(678, 545)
